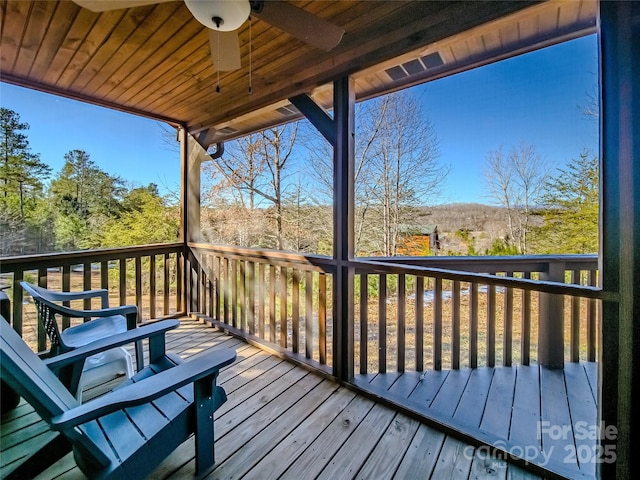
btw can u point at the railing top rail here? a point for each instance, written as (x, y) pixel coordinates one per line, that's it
(29, 262)
(264, 254)
(516, 263)
(485, 279)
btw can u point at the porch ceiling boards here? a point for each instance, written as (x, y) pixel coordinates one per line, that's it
(154, 60)
(282, 421)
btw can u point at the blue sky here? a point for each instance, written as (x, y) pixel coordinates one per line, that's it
(531, 98)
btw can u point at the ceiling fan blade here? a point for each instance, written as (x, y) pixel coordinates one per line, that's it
(225, 50)
(301, 24)
(107, 5)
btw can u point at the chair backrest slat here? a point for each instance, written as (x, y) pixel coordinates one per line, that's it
(44, 302)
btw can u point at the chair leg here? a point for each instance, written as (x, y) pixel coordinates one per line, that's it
(204, 439)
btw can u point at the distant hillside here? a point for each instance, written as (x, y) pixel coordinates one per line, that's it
(484, 223)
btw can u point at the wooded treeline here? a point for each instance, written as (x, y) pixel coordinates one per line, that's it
(273, 189)
(79, 207)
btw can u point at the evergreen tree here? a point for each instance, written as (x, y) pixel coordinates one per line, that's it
(86, 199)
(146, 219)
(22, 176)
(571, 209)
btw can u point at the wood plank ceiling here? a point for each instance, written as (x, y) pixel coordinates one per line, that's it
(154, 60)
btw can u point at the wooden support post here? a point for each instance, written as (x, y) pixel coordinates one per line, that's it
(343, 207)
(551, 321)
(619, 355)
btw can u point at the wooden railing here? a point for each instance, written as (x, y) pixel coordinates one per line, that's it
(281, 300)
(150, 277)
(472, 311)
(411, 313)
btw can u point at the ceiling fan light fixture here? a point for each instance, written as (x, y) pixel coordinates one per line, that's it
(220, 15)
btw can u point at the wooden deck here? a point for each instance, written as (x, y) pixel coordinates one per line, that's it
(545, 416)
(281, 421)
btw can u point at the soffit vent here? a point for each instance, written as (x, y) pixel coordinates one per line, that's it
(432, 60)
(287, 110)
(415, 67)
(227, 130)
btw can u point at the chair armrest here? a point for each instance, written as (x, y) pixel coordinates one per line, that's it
(128, 311)
(103, 312)
(49, 298)
(151, 331)
(146, 390)
(52, 296)
(102, 293)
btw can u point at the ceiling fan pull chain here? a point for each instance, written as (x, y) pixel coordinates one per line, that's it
(250, 52)
(218, 62)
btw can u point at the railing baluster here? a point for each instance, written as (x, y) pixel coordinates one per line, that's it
(272, 303)
(382, 325)
(86, 284)
(401, 323)
(104, 274)
(227, 291)
(211, 261)
(242, 297)
(250, 279)
(42, 335)
(234, 293)
(284, 330)
(122, 285)
(491, 326)
(507, 341)
(574, 343)
(592, 317)
(261, 290)
(455, 325)
(308, 314)
(17, 302)
(295, 311)
(216, 284)
(152, 286)
(138, 270)
(167, 281)
(180, 300)
(364, 322)
(66, 287)
(322, 317)
(419, 324)
(437, 324)
(202, 287)
(473, 325)
(525, 338)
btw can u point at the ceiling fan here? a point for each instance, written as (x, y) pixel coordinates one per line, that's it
(224, 17)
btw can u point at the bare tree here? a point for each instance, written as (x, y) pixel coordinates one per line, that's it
(396, 169)
(516, 182)
(591, 107)
(405, 166)
(253, 170)
(369, 121)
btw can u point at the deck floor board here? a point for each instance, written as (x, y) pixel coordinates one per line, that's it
(282, 421)
(508, 404)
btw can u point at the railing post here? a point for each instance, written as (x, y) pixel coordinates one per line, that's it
(551, 321)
